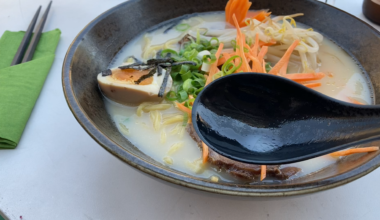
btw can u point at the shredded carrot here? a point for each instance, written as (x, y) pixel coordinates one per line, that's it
(312, 85)
(263, 172)
(183, 108)
(264, 69)
(354, 151)
(262, 15)
(238, 7)
(283, 69)
(301, 77)
(355, 101)
(224, 58)
(285, 59)
(263, 51)
(214, 67)
(240, 42)
(270, 43)
(204, 152)
(256, 65)
(231, 4)
(211, 74)
(255, 46)
(227, 10)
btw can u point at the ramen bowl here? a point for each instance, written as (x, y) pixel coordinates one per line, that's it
(97, 44)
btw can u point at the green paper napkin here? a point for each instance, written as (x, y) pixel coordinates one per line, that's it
(20, 85)
(1, 217)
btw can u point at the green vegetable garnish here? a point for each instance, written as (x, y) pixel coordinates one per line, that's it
(268, 67)
(182, 27)
(229, 66)
(171, 96)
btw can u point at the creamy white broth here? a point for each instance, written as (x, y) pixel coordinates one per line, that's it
(345, 80)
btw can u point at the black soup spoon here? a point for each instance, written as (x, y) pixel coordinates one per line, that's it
(264, 119)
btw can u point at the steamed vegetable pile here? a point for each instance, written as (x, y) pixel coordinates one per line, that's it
(189, 80)
(252, 42)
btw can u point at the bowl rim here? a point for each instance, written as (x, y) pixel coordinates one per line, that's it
(177, 177)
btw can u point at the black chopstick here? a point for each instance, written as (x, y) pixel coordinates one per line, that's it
(36, 37)
(25, 41)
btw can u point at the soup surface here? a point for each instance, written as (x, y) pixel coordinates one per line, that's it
(173, 146)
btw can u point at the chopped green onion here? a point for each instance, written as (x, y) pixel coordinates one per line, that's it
(175, 76)
(186, 75)
(229, 66)
(182, 27)
(268, 67)
(205, 43)
(182, 96)
(213, 51)
(197, 83)
(171, 96)
(186, 47)
(185, 72)
(197, 92)
(184, 69)
(187, 103)
(189, 55)
(166, 51)
(233, 43)
(193, 45)
(187, 86)
(217, 75)
(209, 59)
(214, 39)
(200, 47)
(179, 87)
(198, 62)
(199, 75)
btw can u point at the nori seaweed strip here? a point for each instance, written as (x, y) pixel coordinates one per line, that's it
(146, 76)
(106, 72)
(184, 62)
(159, 70)
(164, 64)
(136, 66)
(132, 65)
(159, 61)
(164, 82)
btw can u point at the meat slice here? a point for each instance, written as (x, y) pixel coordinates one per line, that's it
(239, 169)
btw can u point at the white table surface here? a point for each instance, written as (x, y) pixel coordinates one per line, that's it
(59, 172)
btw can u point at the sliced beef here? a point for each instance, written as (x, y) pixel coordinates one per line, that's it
(239, 169)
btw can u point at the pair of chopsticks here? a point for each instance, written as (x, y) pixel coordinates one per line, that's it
(22, 56)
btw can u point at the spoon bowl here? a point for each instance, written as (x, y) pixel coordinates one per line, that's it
(265, 119)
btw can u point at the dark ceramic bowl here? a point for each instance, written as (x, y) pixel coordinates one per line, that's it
(94, 48)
